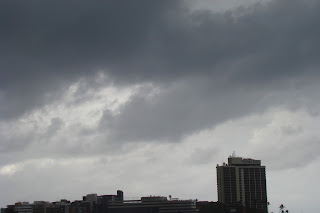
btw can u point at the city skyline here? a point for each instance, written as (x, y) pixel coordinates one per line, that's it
(241, 165)
(116, 203)
(238, 163)
(148, 96)
(93, 203)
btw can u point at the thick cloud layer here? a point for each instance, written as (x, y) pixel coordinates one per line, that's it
(130, 84)
(45, 46)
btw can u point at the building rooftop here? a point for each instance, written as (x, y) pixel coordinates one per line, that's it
(239, 161)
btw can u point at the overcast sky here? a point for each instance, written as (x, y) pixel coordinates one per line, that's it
(148, 96)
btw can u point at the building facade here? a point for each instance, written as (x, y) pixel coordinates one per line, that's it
(242, 181)
(153, 204)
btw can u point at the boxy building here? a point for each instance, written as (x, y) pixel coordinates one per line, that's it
(153, 204)
(242, 181)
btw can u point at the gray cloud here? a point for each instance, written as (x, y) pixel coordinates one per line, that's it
(189, 106)
(48, 45)
(55, 125)
(45, 46)
(180, 110)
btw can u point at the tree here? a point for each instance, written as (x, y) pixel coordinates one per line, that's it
(283, 209)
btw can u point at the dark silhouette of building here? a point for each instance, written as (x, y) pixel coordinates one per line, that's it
(80, 206)
(38, 207)
(92, 203)
(119, 196)
(104, 200)
(9, 209)
(242, 181)
(153, 204)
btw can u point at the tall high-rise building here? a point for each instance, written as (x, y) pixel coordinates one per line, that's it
(242, 181)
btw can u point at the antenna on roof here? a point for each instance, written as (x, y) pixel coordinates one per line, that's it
(233, 154)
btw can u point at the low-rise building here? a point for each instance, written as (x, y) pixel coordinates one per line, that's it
(153, 204)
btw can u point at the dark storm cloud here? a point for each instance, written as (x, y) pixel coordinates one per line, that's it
(185, 107)
(45, 46)
(189, 106)
(258, 60)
